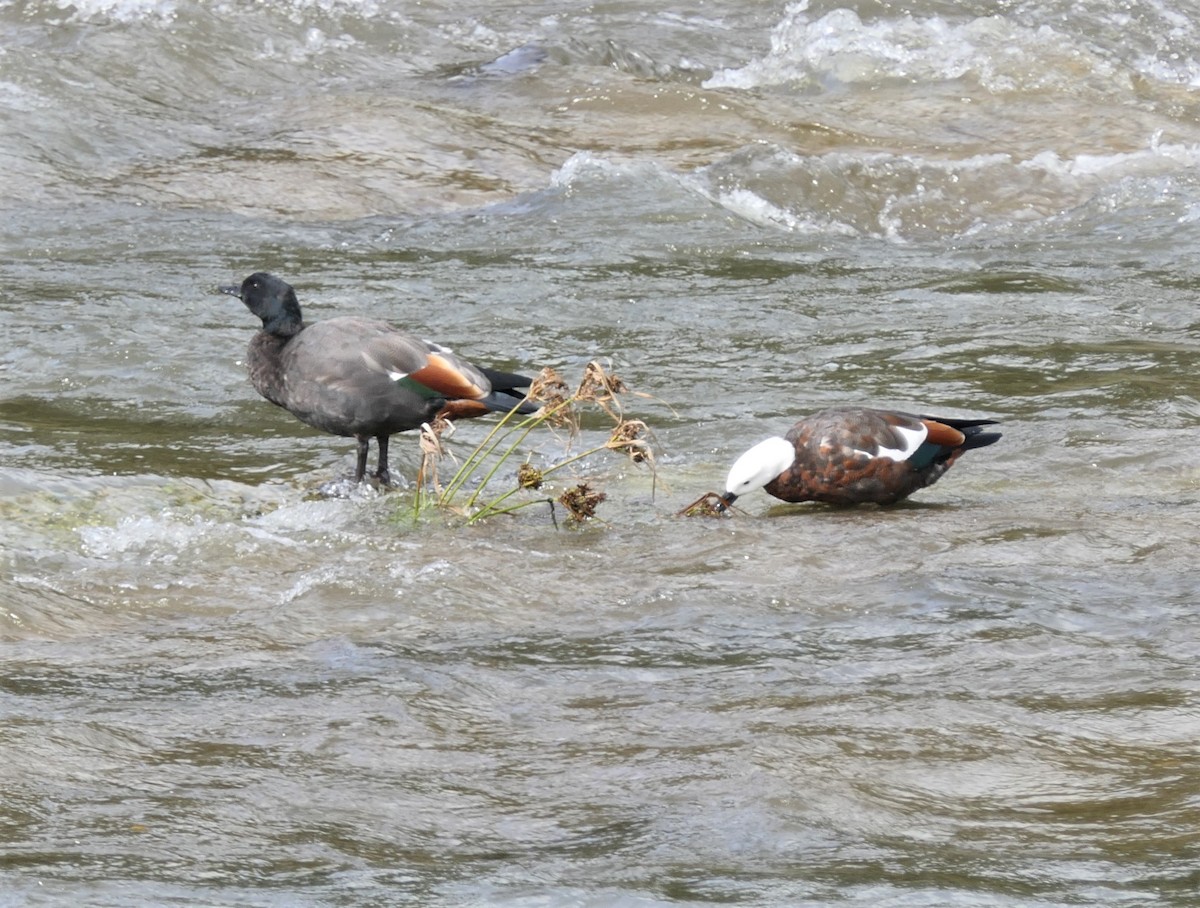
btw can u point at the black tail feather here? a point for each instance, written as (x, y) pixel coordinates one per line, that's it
(978, 439)
(505, 381)
(506, 391)
(972, 429)
(963, 424)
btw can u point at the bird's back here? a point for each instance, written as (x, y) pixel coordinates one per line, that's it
(322, 377)
(857, 455)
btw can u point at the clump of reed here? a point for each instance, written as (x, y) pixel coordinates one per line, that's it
(710, 504)
(466, 492)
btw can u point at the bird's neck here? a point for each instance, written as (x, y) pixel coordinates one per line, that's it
(283, 325)
(264, 362)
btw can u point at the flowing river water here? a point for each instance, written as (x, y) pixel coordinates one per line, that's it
(220, 686)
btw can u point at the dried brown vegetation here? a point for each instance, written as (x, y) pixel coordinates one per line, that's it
(561, 410)
(581, 501)
(710, 504)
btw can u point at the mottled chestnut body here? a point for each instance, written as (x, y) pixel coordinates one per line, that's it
(856, 456)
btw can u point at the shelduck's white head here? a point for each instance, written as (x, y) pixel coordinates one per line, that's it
(757, 467)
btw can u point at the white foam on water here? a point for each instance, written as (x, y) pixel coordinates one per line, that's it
(900, 196)
(155, 538)
(752, 207)
(840, 48)
(1165, 39)
(585, 167)
(1157, 158)
(150, 10)
(116, 10)
(1181, 72)
(16, 97)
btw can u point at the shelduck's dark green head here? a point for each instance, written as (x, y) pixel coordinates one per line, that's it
(272, 299)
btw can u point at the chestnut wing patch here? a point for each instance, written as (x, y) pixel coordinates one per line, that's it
(942, 434)
(442, 373)
(430, 370)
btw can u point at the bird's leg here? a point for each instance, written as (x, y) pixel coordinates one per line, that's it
(382, 473)
(361, 469)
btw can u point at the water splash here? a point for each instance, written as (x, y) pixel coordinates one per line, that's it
(840, 49)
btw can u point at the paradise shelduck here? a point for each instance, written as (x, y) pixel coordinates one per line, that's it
(855, 455)
(360, 377)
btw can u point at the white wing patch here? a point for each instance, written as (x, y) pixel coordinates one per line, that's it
(912, 441)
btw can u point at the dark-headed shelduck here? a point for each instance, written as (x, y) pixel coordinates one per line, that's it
(360, 377)
(855, 455)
